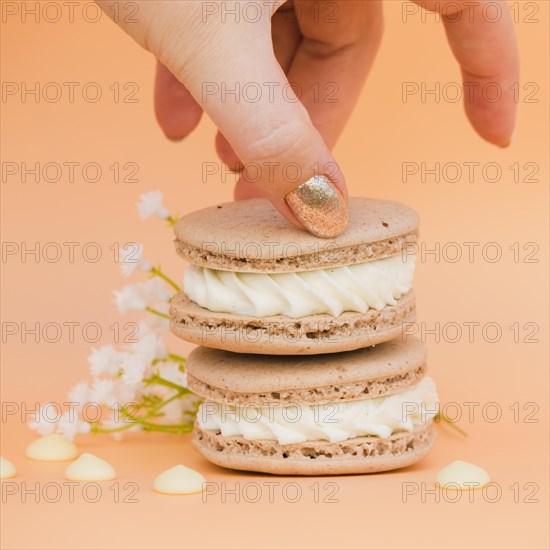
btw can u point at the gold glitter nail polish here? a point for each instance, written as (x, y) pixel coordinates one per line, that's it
(319, 207)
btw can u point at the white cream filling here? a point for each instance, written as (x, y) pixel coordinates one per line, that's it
(334, 422)
(332, 291)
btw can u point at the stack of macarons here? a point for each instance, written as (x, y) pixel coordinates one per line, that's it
(302, 364)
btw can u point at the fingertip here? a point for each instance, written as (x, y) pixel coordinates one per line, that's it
(511, 139)
(508, 140)
(176, 111)
(504, 144)
(503, 140)
(494, 122)
(173, 138)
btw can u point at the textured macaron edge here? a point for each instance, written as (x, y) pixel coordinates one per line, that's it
(329, 393)
(354, 456)
(350, 255)
(258, 380)
(252, 236)
(280, 335)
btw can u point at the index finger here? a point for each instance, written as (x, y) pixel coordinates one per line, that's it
(482, 37)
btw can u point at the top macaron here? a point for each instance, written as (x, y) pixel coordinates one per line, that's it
(251, 236)
(258, 284)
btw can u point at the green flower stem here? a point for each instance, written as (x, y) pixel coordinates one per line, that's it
(97, 430)
(441, 417)
(156, 379)
(177, 358)
(157, 312)
(163, 404)
(151, 414)
(170, 428)
(172, 356)
(147, 426)
(157, 272)
(171, 220)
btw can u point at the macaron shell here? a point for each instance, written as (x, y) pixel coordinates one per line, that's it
(361, 455)
(252, 236)
(228, 377)
(280, 335)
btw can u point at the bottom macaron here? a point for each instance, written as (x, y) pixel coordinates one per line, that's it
(363, 411)
(360, 455)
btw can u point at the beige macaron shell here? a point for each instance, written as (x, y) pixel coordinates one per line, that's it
(280, 335)
(387, 368)
(252, 236)
(361, 455)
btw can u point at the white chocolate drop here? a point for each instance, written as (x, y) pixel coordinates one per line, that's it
(179, 480)
(88, 467)
(462, 475)
(7, 469)
(52, 448)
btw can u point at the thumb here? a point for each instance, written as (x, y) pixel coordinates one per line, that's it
(225, 59)
(239, 83)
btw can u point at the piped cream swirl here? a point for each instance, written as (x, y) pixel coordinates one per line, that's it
(334, 422)
(332, 291)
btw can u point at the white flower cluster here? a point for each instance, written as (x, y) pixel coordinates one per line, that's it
(131, 259)
(140, 296)
(141, 386)
(150, 204)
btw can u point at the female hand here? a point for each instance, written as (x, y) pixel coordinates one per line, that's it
(235, 60)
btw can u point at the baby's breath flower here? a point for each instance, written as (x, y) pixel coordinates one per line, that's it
(140, 296)
(173, 413)
(69, 425)
(129, 298)
(79, 395)
(142, 386)
(103, 392)
(150, 347)
(131, 258)
(173, 372)
(126, 394)
(150, 204)
(133, 368)
(119, 423)
(44, 422)
(105, 360)
(154, 290)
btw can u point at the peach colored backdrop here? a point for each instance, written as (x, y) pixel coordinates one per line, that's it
(384, 133)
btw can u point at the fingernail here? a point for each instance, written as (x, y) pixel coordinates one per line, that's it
(319, 207)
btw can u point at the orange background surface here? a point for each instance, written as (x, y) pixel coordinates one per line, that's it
(384, 132)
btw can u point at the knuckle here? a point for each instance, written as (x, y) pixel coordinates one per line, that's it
(279, 141)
